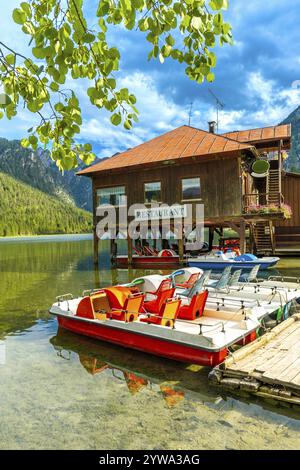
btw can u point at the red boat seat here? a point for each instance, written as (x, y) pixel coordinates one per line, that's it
(154, 306)
(130, 310)
(163, 286)
(195, 309)
(167, 314)
(165, 291)
(190, 282)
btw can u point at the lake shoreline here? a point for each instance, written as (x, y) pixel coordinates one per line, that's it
(51, 237)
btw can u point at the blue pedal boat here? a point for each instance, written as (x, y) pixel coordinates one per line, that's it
(219, 261)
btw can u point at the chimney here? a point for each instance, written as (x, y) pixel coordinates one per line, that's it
(212, 127)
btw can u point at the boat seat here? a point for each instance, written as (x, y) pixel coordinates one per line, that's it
(190, 282)
(93, 306)
(100, 305)
(130, 310)
(165, 284)
(117, 296)
(154, 306)
(167, 314)
(195, 308)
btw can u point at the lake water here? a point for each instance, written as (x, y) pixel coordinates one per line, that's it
(62, 391)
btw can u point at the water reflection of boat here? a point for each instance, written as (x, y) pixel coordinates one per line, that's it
(173, 381)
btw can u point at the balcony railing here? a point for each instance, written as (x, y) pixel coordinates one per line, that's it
(262, 203)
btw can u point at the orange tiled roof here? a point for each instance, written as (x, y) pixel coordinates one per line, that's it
(264, 133)
(183, 142)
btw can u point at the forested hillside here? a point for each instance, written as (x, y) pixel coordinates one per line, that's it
(39, 171)
(28, 211)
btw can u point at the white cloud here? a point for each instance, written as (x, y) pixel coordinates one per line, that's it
(158, 114)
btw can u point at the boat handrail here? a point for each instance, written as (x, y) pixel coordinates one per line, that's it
(284, 279)
(189, 322)
(221, 300)
(61, 298)
(90, 291)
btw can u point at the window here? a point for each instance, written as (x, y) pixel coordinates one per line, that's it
(191, 188)
(153, 192)
(113, 196)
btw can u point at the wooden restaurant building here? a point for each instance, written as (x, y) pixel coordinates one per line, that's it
(190, 165)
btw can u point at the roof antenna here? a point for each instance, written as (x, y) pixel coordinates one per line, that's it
(219, 106)
(190, 112)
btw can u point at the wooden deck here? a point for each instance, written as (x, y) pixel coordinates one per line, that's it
(268, 367)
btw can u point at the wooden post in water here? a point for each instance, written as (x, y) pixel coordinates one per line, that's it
(211, 237)
(181, 248)
(95, 237)
(129, 249)
(113, 250)
(242, 236)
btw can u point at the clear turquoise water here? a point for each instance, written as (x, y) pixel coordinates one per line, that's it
(61, 391)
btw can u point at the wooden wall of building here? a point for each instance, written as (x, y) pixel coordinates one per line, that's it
(291, 193)
(221, 184)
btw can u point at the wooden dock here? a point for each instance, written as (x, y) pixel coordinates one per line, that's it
(269, 367)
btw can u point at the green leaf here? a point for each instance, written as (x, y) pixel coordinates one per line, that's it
(26, 8)
(25, 143)
(170, 40)
(59, 107)
(5, 100)
(87, 147)
(19, 16)
(68, 163)
(127, 124)
(218, 4)
(210, 77)
(54, 86)
(38, 52)
(116, 119)
(196, 22)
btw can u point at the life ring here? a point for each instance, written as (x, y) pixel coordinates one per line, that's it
(165, 253)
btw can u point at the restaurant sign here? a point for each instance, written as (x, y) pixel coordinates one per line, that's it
(161, 213)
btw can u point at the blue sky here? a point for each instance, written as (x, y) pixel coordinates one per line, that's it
(254, 78)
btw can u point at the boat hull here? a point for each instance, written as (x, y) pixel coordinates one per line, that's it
(220, 265)
(144, 343)
(152, 261)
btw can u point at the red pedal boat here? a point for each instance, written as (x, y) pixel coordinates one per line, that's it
(149, 258)
(156, 322)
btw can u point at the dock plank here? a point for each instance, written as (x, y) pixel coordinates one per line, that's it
(270, 366)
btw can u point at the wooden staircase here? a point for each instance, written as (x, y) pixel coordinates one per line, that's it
(264, 238)
(273, 187)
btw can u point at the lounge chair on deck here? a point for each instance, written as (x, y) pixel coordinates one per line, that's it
(251, 276)
(234, 279)
(221, 283)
